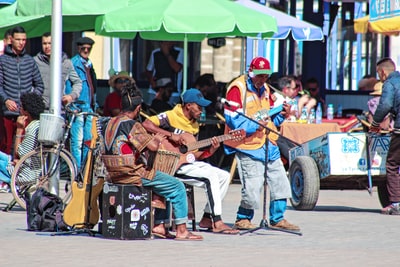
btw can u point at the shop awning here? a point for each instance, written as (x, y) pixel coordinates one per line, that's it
(387, 26)
(361, 25)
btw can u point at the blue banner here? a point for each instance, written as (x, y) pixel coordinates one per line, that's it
(382, 9)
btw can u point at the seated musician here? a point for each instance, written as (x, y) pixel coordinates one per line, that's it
(183, 119)
(127, 150)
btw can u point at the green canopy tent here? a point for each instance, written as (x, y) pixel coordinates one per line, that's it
(35, 16)
(32, 24)
(185, 20)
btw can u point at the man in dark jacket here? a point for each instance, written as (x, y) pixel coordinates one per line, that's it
(390, 103)
(19, 74)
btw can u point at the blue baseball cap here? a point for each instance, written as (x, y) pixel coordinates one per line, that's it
(193, 95)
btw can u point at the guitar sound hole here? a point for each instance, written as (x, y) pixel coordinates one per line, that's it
(183, 149)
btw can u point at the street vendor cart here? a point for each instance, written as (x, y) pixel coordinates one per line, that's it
(338, 161)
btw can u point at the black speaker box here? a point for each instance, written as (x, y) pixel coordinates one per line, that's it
(126, 212)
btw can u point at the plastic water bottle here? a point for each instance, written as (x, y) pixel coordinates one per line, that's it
(311, 117)
(318, 114)
(294, 108)
(339, 112)
(203, 115)
(329, 112)
(303, 116)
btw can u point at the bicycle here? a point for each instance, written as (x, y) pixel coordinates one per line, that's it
(35, 168)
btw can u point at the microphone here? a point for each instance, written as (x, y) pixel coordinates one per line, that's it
(229, 103)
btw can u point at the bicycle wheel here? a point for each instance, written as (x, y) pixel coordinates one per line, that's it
(34, 169)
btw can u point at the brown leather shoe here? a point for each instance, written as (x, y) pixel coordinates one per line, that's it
(244, 224)
(285, 225)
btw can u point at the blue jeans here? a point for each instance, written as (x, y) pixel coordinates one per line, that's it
(251, 174)
(4, 160)
(80, 132)
(174, 192)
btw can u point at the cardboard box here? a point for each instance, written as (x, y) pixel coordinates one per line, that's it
(126, 212)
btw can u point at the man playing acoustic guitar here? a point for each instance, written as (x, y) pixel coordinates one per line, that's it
(173, 124)
(127, 146)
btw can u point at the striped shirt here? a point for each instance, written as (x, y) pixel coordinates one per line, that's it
(29, 143)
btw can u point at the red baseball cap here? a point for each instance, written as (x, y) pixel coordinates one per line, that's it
(260, 65)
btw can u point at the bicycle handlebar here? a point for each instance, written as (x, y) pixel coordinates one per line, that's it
(72, 108)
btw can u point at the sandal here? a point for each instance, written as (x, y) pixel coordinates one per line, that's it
(189, 237)
(168, 235)
(226, 231)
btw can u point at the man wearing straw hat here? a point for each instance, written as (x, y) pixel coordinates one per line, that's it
(112, 104)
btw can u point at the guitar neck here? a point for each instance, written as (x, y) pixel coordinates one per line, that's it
(207, 142)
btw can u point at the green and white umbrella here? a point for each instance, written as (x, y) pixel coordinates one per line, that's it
(32, 24)
(35, 15)
(185, 20)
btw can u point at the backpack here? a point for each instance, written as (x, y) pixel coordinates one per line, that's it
(44, 212)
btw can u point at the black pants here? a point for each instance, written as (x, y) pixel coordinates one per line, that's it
(393, 169)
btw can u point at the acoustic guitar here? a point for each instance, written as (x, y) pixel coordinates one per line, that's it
(191, 144)
(83, 209)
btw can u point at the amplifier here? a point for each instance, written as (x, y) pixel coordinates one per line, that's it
(126, 212)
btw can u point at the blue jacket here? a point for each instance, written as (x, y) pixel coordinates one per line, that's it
(19, 74)
(390, 101)
(85, 92)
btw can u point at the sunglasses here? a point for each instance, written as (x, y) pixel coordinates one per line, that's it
(122, 81)
(313, 89)
(84, 48)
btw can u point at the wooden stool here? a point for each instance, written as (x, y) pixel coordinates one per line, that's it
(158, 201)
(191, 206)
(191, 209)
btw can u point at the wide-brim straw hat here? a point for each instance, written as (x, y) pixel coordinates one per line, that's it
(377, 89)
(117, 75)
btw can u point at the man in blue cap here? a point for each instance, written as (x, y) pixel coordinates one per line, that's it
(176, 124)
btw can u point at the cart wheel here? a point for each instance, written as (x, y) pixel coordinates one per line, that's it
(383, 195)
(304, 181)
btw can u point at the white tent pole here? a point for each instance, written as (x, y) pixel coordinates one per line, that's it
(55, 75)
(55, 58)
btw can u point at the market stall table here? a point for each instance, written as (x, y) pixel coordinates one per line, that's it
(301, 132)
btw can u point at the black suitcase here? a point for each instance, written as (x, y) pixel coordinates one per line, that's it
(126, 212)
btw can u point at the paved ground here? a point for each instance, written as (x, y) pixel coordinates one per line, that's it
(345, 229)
